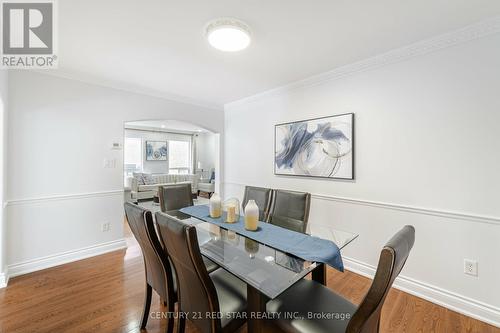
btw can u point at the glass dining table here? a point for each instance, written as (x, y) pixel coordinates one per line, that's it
(266, 271)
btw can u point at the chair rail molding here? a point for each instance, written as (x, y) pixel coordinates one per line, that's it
(58, 197)
(469, 33)
(470, 217)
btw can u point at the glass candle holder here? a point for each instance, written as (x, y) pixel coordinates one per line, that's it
(231, 210)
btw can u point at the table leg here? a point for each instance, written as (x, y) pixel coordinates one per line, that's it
(256, 306)
(319, 274)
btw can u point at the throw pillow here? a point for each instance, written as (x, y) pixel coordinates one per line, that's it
(138, 178)
(148, 179)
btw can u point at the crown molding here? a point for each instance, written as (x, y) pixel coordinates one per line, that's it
(131, 89)
(463, 35)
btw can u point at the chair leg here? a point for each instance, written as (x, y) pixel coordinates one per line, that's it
(147, 306)
(181, 324)
(170, 317)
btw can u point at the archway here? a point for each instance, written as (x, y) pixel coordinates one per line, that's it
(164, 151)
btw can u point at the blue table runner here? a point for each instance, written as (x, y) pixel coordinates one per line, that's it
(301, 245)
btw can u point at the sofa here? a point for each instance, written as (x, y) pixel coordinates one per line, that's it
(141, 191)
(207, 185)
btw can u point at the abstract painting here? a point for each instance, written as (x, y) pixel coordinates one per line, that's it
(156, 150)
(321, 147)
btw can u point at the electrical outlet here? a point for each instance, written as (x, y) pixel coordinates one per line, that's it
(109, 163)
(470, 267)
(106, 226)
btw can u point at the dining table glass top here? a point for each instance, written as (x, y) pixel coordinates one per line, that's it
(268, 270)
(339, 237)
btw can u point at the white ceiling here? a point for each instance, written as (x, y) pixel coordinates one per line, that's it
(158, 46)
(165, 125)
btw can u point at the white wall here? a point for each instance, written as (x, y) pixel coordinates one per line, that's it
(427, 141)
(60, 133)
(205, 152)
(155, 166)
(3, 174)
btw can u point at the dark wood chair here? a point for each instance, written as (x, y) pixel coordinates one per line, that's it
(200, 292)
(159, 274)
(262, 196)
(175, 197)
(290, 210)
(310, 297)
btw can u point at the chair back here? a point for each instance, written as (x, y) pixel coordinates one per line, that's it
(290, 210)
(196, 291)
(175, 197)
(366, 319)
(158, 270)
(262, 197)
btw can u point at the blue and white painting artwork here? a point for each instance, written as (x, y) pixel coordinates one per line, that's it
(320, 147)
(156, 150)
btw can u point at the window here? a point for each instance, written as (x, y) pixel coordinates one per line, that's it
(179, 157)
(133, 156)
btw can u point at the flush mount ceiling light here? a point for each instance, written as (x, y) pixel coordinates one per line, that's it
(228, 34)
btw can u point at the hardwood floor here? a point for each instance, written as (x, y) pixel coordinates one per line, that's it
(105, 294)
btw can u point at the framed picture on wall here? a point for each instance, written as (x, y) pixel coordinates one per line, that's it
(321, 147)
(156, 150)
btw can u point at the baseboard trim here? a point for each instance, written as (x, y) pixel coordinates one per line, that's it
(65, 257)
(462, 216)
(450, 300)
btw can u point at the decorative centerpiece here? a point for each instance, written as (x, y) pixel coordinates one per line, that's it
(251, 216)
(231, 210)
(215, 206)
